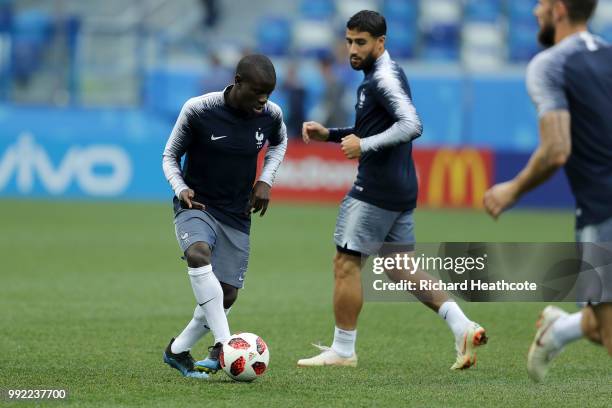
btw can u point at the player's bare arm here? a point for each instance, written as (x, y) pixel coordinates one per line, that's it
(551, 154)
(259, 198)
(314, 131)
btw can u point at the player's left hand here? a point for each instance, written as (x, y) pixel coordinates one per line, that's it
(260, 198)
(499, 198)
(351, 147)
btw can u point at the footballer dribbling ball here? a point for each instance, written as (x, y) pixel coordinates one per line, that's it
(245, 357)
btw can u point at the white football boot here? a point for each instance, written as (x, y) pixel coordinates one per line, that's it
(328, 357)
(474, 336)
(543, 349)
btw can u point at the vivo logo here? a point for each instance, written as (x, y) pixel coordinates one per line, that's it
(27, 160)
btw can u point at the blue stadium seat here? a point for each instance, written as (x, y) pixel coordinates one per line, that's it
(441, 42)
(32, 30)
(440, 21)
(483, 45)
(602, 21)
(166, 90)
(523, 42)
(312, 38)
(485, 11)
(347, 9)
(317, 9)
(401, 10)
(6, 16)
(33, 25)
(274, 36)
(401, 38)
(521, 11)
(440, 54)
(606, 32)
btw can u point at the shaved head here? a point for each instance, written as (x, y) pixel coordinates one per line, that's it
(254, 82)
(257, 69)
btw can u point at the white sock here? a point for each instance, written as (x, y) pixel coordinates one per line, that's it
(344, 342)
(209, 295)
(567, 329)
(195, 330)
(454, 317)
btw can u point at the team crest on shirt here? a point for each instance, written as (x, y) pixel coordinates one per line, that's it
(259, 137)
(362, 98)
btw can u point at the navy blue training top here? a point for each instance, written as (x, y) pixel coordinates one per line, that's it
(221, 145)
(386, 122)
(576, 75)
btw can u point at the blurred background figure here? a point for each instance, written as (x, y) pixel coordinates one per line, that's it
(331, 110)
(39, 50)
(211, 8)
(295, 94)
(217, 76)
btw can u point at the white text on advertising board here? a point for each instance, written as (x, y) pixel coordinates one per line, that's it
(28, 161)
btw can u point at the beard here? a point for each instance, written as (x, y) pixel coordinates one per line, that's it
(365, 64)
(546, 36)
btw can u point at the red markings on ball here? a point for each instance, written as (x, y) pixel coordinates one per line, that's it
(261, 346)
(239, 343)
(238, 366)
(259, 367)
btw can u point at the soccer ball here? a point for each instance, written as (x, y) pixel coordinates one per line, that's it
(244, 357)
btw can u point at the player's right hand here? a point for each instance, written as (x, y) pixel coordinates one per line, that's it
(314, 131)
(499, 198)
(186, 198)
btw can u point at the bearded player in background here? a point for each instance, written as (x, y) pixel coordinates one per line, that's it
(571, 86)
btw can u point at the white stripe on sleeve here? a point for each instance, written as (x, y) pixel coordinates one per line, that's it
(274, 157)
(176, 148)
(408, 125)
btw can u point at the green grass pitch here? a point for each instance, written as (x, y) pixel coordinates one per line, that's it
(90, 294)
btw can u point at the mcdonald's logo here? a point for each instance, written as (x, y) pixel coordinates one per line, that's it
(458, 178)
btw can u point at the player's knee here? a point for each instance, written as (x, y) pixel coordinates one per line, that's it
(230, 294)
(345, 266)
(198, 255)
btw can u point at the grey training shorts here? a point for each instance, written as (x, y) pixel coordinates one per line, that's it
(362, 228)
(229, 246)
(595, 284)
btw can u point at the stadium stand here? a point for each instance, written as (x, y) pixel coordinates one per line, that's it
(152, 55)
